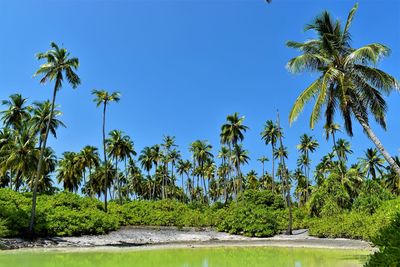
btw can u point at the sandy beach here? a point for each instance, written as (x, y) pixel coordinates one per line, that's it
(140, 238)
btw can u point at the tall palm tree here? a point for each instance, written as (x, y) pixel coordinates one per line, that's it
(372, 163)
(88, 158)
(156, 155)
(348, 81)
(58, 64)
(102, 97)
(270, 135)
(232, 132)
(45, 183)
(17, 113)
(263, 159)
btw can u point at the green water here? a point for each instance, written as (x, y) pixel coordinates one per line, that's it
(198, 257)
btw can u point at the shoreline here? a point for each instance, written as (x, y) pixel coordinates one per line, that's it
(150, 238)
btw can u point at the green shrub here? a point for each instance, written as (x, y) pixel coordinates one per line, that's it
(388, 241)
(3, 228)
(63, 214)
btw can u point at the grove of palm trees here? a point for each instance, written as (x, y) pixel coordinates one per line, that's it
(104, 186)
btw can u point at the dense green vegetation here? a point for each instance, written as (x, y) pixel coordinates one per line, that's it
(159, 187)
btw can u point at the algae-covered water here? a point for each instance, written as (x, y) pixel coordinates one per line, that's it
(198, 257)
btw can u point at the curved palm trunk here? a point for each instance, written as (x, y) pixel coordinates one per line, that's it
(105, 156)
(40, 163)
(380, 147)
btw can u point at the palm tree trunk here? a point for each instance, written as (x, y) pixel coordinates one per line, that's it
(273, 168)
(39, 166)
(380, 147)
(105, 156)
(286, 178)
(118, 181)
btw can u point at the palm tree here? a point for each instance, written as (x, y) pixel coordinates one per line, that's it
(40, 118)
(20, 156)
(286, 185)
(263, 159)
(251, 180)
(307, 145)
(201, 153)
(349, 80)
(45, 183)
(156, 155)
(232, 132)
(58, 64)
(372, 163)
(88, 158)
(102, 97)
(146, 159)
(120, 147)
(224, 154)
(270, 135)
(69, 172)
(239, 157)
(17, 113)
(343, 148)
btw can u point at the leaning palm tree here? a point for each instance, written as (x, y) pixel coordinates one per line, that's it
(17, 113)
(270, 135)
(58, 64)
(372, 163)
(102, 97)
(349, 82)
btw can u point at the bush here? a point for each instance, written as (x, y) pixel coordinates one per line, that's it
(63, 214)
(257, 213)
(388, 241)
(3, 228)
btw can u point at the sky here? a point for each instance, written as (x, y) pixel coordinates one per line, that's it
(182, 66)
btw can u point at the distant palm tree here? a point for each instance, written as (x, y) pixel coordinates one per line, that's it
(40, 117)
(88, 158)
(17, 113)
(251, 180)
(69, 172)
(270, 135)
(201, 153)
(49, 165)
(102, 97)
(307, 145)
(343, 148)
(146, 159)
(224, 154)
(232, 132)
(239, 157)
(372, 163)
(20, 156)
(58, 63)
(263, 159)
(349, 80)
(120, 147)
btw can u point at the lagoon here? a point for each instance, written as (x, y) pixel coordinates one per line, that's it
(190, 257)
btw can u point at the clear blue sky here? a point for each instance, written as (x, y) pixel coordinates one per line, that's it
(182, 66)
